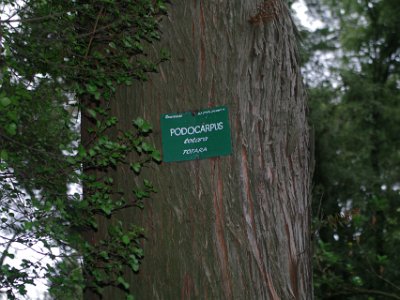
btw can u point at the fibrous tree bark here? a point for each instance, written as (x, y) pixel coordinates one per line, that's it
(234, 227)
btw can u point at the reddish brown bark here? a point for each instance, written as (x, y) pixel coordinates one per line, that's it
(235, 227)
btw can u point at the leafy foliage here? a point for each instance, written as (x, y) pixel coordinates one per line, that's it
(356, 120)
(62, 60)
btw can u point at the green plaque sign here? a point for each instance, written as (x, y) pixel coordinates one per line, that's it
(196, 135)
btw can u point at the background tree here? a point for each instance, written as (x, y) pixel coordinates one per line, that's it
(235, 227)
(53, 71)
(355, 112)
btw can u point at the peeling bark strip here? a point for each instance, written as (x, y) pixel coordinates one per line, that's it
(234, 227)
(222, 248)
(202, 51)
(248, 211)
(266, 12)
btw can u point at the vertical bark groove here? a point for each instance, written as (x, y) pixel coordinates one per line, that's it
(222, 249)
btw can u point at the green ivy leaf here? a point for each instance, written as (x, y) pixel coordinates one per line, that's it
(156, 156)
(147, 147)
(121, 281)
(106, 208)
(125, 239)
(165, 55)
(92, 152)
(91, 89)
(4, 154)
(147, 183)
(142, 125)
(28, 225)
(104, 255)
(11, 129)
(136, 167)
(5, 101)
(134, 263)
(92, 113)
(22, 290)
(140, 194)
(97, 95)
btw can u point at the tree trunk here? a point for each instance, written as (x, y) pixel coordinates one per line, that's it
(233, 227)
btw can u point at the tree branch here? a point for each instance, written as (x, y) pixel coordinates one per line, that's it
(29, 20)
(94, 31)
(376, 292)
(5, 252)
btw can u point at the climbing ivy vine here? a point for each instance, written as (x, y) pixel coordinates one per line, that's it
(62, 61)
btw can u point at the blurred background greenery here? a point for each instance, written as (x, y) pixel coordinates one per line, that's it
(351, 65)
